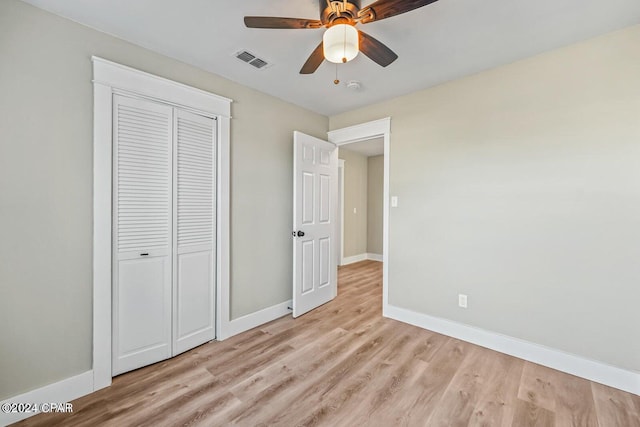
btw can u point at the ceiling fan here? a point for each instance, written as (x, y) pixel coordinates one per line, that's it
(342, 41)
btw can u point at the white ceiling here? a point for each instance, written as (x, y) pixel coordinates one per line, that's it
(440, 42)
(370, 147)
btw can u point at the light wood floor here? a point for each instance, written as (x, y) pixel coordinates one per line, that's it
(344, 365)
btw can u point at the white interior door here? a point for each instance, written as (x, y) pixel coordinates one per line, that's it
(194, 231)
(141, 233)
(315, 192)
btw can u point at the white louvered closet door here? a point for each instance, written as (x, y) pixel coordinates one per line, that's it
(142, 159)
(194, 231)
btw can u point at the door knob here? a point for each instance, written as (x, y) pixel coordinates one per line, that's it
(300, 233)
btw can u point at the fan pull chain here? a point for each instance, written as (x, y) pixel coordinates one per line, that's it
(336, 81)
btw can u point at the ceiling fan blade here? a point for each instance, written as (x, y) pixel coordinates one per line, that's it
(376, 50)
(383, 9)
(276, 22)
(314, 61)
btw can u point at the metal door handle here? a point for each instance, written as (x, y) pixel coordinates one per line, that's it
(300, 233)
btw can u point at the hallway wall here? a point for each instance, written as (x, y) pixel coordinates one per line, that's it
(355, 202)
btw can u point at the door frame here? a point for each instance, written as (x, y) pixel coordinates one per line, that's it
(363, 132)
(109, 78)
(341, 166)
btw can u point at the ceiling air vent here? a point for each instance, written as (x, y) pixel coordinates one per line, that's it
(251, 59)
(258, 63)
(245, 56)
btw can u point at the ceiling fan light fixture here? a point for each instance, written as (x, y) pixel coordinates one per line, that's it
(340, 43)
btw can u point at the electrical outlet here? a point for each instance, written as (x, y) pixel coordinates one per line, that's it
(394, 201)
(462, 300)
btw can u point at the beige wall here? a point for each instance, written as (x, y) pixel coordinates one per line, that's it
(375, 187)
(355, 197)
(520, 187)
(46, 190)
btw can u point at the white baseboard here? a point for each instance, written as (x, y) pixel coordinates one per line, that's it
(556, 359)
(361, 257)
(374, 257)
(61, 392)
(353, 259)
(253, 320)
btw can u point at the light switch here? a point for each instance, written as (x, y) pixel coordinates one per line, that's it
(355, 211)
(394, 201)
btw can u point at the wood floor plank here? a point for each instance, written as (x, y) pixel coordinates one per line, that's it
(537, 386)
(575, 404)
(417, 407)
(310, 360)
(570, 398)
(529, 414)
(615, 407)
(496, 405)
(342, 384)
(480, 371)
(343, 364)
(391, 380)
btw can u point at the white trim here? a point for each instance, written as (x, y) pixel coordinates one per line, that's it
(341, 209)
(353, 259)
(385, 219)
(375, 257)
(138, 82)
(110, 78)
(360, 132)
(223, 294)
(60, 392)
(102, 172)
(363, 132)
(362, 257)
(250, 321)
(556, 359)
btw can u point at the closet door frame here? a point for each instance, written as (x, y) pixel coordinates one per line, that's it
(110, 78)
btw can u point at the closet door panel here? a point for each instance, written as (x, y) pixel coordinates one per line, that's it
(143, 133)
(194, 231)
(194, 295)
(142, 302)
